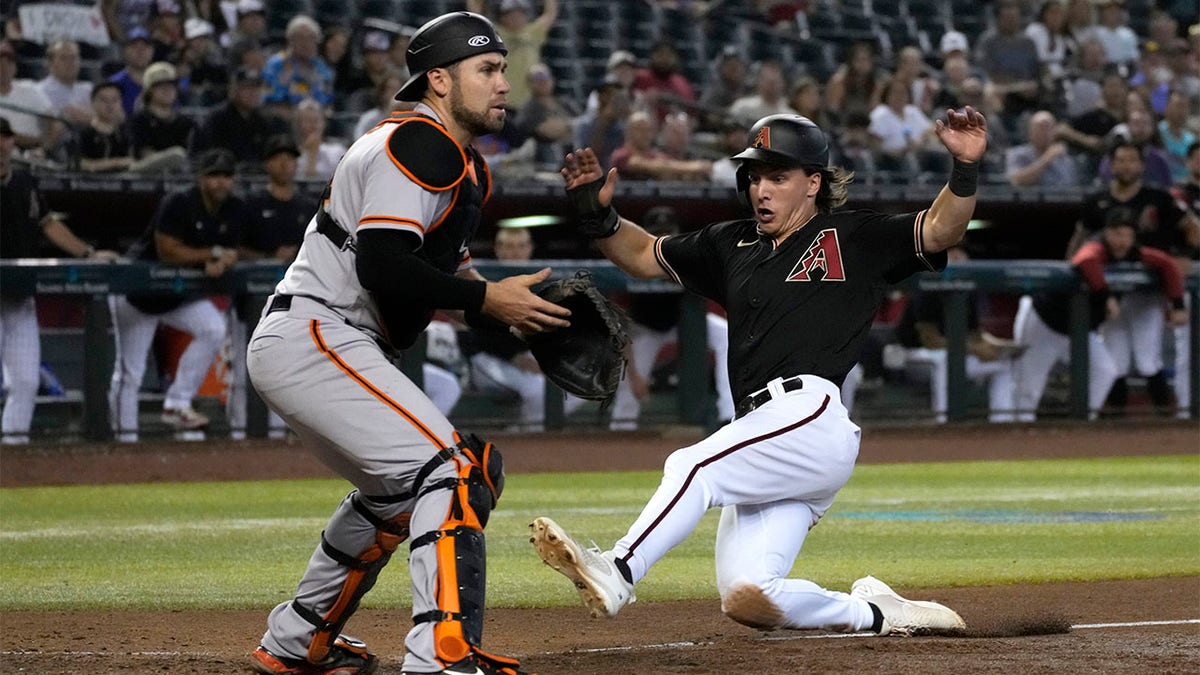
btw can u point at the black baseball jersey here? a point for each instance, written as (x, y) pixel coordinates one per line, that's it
(21, 209)
(273, 222)
(804, 307)
(1158, 217)
(182, 215)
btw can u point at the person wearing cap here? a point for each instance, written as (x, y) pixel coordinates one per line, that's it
(603, 129)
(239, 124)
(201, 66)
(547, 118)
(360, 83)
(800, 280)
(104, 142)
(1010, 60)
(123, 18)
(524, 36)
(621, 70)
(385, 103)
(166, 29)
(33, 130)
(197, 227)
(27, 225)
(389, 246)
(277, 215)
(137, 52)
(157, 129)
(250, 23)
(298, 71)
(727, 85)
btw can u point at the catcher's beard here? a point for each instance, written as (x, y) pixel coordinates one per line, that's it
(476, 123)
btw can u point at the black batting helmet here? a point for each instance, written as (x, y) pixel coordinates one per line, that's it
(784, 140)
(445, 40)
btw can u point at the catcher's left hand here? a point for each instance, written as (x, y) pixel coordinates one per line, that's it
(587, 358)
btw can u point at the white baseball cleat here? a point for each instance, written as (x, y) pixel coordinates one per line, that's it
(902, 616)
(603, 590)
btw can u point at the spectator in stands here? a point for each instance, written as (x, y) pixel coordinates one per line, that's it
(1139, 128)
(911, 69)
(546, 119)
(1161, 223)
(1134, 334)
(980, 97)
(769, 97)
(166, 29)
(123, 18)
(731, 140)
(1081, 20)
(199, 227)
(905, 135)
(69, 97)
(137, 52)
(726, 84)
(1053, 41)
(1083, 86)
(661, 85)
(104, 143)
(922, 331)
(359, 84)
(1176, 137)
(298, 72)
(639, 159)
(500, 361)
(335, 50)
(276, 217)
(250, 24)
(603, 129)
(212, 11)
(1010, 60)
(856, 146)
(1120, 42)
(239, 125)
(856, 85)
(401, 37)
(157, 130)
(1042, 328)
(201, 65)
(621, 70)
(1185, 72)
(523, 36)
(32, 130)
(807, 100)
(319, 155)
(385, 103)
(654, 319)
(1043, 161)
(956, 68)
(444, 365)
(26, 221)
(1089, 131)
(247, 54)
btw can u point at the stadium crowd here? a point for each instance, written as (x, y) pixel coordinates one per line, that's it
(209, 89)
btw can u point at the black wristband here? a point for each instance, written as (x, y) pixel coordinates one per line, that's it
(596, 220)
(964, 178)
(602, 227)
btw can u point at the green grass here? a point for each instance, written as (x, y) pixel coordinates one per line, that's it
(243, 545)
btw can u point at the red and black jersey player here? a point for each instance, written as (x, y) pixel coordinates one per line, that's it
(800, 281)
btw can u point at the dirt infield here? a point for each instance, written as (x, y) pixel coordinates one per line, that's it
(1138, 626)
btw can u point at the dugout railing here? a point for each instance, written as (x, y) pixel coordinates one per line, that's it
(251, 283)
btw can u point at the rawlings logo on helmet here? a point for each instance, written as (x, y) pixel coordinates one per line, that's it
(763, 139)
(479, 41)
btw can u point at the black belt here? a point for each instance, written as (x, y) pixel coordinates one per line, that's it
(279, 303)
(759, 399)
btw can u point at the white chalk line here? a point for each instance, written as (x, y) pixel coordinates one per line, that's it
(683, 644)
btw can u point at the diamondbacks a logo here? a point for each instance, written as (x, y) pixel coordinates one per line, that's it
(763, 139)
(824, 254)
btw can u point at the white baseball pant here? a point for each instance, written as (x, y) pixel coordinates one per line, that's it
(1046, 347)
(1135, 338)
(493, 373)
(1183, 364)
(133, 332)
(21, 356)
(997, 374)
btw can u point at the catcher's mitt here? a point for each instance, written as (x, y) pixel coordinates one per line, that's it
(587, 358)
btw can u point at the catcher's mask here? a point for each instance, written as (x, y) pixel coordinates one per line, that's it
(785, 140)
(445, 40)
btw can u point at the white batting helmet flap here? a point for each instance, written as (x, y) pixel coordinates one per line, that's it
(445, 40)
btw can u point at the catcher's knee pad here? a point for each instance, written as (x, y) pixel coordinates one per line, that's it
(749, 605)
(461, 552)
(364, 571)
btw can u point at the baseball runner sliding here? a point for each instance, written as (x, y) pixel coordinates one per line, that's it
(800, 282)
(387, 247)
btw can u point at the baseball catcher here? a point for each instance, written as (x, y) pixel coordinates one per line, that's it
(587, 358)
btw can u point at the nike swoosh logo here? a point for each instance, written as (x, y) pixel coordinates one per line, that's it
(747, 243)
(414, 52)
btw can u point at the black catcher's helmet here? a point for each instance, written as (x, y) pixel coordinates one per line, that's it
(445, 40)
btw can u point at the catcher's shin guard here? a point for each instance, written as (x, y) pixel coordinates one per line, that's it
(364, 571)
(461, 553)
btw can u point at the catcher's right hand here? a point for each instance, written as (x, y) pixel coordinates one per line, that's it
(591, 192)
(510, 302)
